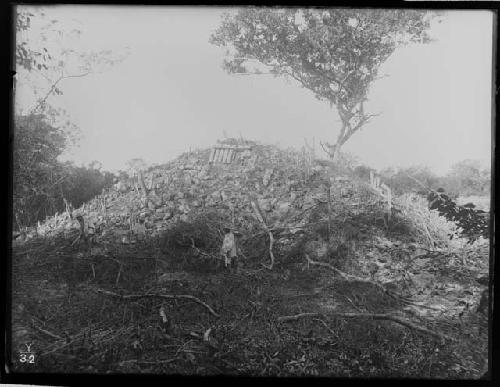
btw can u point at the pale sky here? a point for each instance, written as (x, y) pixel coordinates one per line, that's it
(171, 93)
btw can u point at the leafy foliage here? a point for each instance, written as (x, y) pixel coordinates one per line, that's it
(474, 223)
(26, 56)
(335, 53)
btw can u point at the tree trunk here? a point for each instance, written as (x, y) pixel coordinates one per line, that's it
(334, 152)
(347, 130)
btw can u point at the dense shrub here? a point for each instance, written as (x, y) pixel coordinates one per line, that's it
(84, 183)
(41, 181)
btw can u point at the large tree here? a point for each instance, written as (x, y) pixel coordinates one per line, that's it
(335, 53)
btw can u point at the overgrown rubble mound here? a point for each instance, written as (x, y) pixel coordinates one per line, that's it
(321, 230)
(287, 191)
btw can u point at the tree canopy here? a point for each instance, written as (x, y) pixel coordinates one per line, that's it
(335, 53)
(48, 53)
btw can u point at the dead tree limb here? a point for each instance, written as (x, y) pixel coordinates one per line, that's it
(328, 266)
(353, 278)
(373, 316)
(418, 181)
(53, 335)
(297, 317)
(53, 87)
(145, 362)
(164, 296)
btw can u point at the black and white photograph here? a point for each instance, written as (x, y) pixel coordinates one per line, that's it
(252, 191)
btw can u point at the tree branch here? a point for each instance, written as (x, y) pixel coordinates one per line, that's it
(254, 73)
(164, 296)
(312, 69)
(53, 87)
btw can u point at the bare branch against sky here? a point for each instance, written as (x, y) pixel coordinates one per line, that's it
(170, 92)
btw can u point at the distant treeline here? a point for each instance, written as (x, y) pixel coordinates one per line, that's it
(466, 178)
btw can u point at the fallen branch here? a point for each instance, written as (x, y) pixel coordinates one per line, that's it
(373, 316)
(326, 326)
(298, 316)
(201, 252)
(145, 362)
(118, 275)
(352, 303)
(53, 335)
(351, 278)
(328, 266)
(70, 340)
(164, 296)
(418, 182)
